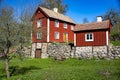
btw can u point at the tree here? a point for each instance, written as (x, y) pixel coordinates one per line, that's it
(24, 29)
(8, 34)
(85, 20)
(50, 4)
(14, 33)
(114, 17)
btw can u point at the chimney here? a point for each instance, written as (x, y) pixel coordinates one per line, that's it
(55, 10)
(99, 18)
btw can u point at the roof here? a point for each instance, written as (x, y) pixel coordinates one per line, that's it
(57, 15)
(92, 26)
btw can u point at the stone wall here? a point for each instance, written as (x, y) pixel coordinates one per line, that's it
(98, 52)
(63, 51)
(90, 52)
(60, 51)
(114, 52)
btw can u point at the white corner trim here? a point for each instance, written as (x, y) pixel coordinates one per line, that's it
(74, 39)
(48, 30)
(107, 38)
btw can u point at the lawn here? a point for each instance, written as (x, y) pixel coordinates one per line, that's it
(71, 69)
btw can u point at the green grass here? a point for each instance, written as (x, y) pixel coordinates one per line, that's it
(71, 69)
(116, 43)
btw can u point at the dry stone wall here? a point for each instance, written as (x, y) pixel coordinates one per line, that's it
(64, 51)
(91, 52)
(99, 52)
(59, 52)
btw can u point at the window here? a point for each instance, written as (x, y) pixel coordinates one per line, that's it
(39, 23)
(56, 23)
(72, 27)
(57, 35)
(39, 35)
(65, 25)
(89, 37)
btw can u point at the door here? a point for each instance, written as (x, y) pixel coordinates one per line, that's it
(65, 37)
(38, 53)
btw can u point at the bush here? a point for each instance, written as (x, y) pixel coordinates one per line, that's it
(116, 43)
(55, 43)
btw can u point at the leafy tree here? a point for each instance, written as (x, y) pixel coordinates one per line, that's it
(114, 16)
(14, 33)
(8, 34)
(50, 4)
(24, 29)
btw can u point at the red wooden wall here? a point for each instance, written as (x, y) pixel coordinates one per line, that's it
(42, 29)
(99, 38)
(61, 30)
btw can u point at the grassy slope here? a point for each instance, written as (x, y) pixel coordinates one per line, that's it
(71, 69)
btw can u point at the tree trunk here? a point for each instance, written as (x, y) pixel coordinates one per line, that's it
(7, 67)
(7, 64)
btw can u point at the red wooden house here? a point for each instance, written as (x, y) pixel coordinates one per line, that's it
(93, 34)
(51, 26)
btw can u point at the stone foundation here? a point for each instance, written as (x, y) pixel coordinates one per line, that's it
(64, 51)
(60, 51)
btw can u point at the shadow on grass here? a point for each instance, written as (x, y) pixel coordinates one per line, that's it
(16, 70)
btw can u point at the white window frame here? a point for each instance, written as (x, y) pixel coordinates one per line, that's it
(65, 25)
(89, 37)
(39, 23)
(57, 35)
(39, 35)
(72, 27)
(56, 23)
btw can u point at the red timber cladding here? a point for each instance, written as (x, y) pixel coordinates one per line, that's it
(99, 38)
(42, 29)
(61, 30)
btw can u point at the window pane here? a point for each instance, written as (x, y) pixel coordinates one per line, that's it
(39, 35)
(56, 35)
(87, 36)
(90, 36)
(39, 23)
(56, 23)
(65, 25)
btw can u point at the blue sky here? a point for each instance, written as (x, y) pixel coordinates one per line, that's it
(77, 9)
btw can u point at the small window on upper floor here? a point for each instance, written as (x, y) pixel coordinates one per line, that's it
(56, 23)
(39, 23)
(65, 25)
(72, 27)
(39, 35)
(57, 35)
(89, 37)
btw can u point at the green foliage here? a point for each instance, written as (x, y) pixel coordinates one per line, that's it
(55, 43)
(50, 4)
(116, 43)
(70, 69)
(114, 17)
